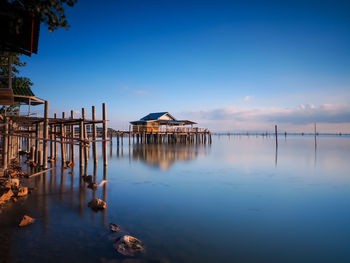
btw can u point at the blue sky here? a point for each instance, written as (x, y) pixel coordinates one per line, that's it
(229, 65)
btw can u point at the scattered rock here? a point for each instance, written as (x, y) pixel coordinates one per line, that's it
(87, 178)
(26, 220)
(97, 204)
(6, 196)
(22, 191)
(114, 227)
(14, 182)
(128, 245)
(92, 185)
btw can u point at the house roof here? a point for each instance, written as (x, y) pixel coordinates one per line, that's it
(24, 94)
(22, 91)
(155, 116)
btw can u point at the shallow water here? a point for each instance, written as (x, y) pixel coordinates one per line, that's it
(237, 200)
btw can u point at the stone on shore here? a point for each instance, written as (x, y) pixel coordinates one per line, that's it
(97, 204)
(26, 220)
(6, 196)
(128, 245)
(22, 191)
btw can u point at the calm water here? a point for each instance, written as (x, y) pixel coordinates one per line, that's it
(237, 200)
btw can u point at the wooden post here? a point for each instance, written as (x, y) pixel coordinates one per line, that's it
(85, 150)
(104, 134)
(276, 136)
(72, 135)
(94, 135)
(81, 161)
(63, 146)
(51, 142)
(6, 143)
(129, 135)
(36, 142)
(55, 138)
(46, 133)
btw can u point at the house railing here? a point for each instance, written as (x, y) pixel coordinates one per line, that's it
(167, 129)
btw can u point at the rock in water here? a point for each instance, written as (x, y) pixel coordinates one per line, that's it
(128, 245)
(114, 227)
(97, 204)
(22, 191)
(6, 196)
(26, 220)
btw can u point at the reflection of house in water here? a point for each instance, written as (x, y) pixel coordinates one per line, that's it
(163, 155)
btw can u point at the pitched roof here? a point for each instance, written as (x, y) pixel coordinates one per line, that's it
(22, 91)
(155, 116)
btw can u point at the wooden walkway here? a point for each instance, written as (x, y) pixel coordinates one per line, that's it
(40, 137)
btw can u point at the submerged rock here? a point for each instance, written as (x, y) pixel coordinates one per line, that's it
(87, 178)
(92, 185)
(114, 227)
(97, 204)
(128, 245)
(26, 220)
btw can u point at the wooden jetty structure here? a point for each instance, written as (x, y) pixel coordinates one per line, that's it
(162, 127)
(40, 137)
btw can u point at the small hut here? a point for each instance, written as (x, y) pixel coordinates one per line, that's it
(157, 122)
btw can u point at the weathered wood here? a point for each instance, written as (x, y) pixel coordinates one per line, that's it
(94, 134)
(63, 147)
(46, 132)
(41, 172)
(72, 135)
(104, 134)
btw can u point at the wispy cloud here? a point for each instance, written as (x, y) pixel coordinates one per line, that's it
(247, 98)
(134, 91)
(259, 118)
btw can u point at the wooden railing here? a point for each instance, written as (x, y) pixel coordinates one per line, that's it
(167, 129)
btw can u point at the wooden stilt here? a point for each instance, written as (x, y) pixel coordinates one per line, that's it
(46, 131)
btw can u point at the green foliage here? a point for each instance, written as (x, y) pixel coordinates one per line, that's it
(50, 12)
(16, 63)
(10, 110)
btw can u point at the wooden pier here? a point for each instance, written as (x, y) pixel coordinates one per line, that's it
(38, 138)
(169, 135)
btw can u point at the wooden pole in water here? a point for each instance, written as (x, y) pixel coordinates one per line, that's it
(36, 142)
(94, 135)
(276, 135)
(81, 161)
(63, 155)
(85, 150)
(104, 134)
(46, 132)
(6, 142)
(51, 142)
(72, 135)
(55, 138)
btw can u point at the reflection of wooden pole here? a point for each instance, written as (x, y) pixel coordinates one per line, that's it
(46, 132)
(104, 134)
(94, 135)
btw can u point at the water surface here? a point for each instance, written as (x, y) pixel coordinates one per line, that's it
(237, 200)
